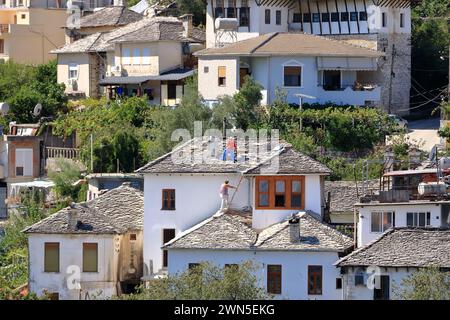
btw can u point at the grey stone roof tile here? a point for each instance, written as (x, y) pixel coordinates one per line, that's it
(344, 194)
(110, 16)
(404, 247)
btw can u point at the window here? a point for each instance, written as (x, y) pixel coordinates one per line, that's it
(307, 17)
(338, 283)
(146, 56)
(24, 162)
(359, 278)
(325, 17)
(382, 221)
(231, 10)
(222, 79)
(168, 199)
(335, 17)
(136, 56)
(344, 16)
(383, 292)
(418, 219)
(316, 17)
(297, 18)
(267, 16)
(90, 257)
(353, 16)
(362, 16)
(133, 237)
(244, 14)
(384, 19)
(126, 56)
(331, 80)
(168, 234)
(292, 76)
(73, 71)
(274, 278)
(51, 257)
(219, 9)
(2, 46)
(402, 20)
(278, 17)
(172, 91)
(280, 192)
(263, 193)
(23, 16)
(315, 280)
(206, 69)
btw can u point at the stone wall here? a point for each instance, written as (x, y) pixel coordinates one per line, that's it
(96, 67)
(397, 100)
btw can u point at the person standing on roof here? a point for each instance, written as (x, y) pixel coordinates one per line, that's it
(224, 194)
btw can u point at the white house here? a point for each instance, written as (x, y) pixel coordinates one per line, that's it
(319, 69)
(376, 270)
(89, 250)
(181, 197)
(375, 218)
(380, 25)
(293, 258)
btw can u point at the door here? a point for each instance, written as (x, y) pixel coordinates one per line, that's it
(243, 72)
(168, 234)
(383, 292)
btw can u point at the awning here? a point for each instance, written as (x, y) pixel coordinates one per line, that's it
(43, 184)
(173, 75)
(347, 64)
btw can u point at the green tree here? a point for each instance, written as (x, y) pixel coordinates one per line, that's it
(205, 282)
(247, 104)
(64, 176)
(425, 284)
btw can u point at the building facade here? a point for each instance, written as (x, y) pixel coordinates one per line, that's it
(380, 25)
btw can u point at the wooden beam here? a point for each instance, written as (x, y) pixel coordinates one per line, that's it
(301, 14)
(320, 17)
(348, 16)
(310, 17)
(329, 16)
(339, 16)
(357, 16)
(367, 15)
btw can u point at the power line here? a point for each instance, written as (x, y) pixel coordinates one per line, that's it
(425, 103)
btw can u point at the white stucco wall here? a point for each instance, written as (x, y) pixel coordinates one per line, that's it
(362, 292)
(294, 268)
(364, 216)
(80, 59)
(208, 86)
(101, 283)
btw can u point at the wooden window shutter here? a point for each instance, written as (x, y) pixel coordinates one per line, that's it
(222, 72)
(90, 257)
(51, 257)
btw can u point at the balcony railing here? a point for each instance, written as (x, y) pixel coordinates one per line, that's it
(65, 153)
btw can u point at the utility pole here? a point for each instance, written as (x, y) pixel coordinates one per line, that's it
(391, 76)
(92, 154)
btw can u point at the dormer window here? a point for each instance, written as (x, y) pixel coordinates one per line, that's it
(280, 193)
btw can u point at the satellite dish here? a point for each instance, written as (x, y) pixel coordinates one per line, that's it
(4, 108)
(37, 110)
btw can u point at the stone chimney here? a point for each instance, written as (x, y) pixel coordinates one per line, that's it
(294, 229)
(187, 24)
(72, 217)
(120, 3)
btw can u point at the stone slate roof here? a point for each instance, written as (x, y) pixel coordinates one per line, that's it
(110, 16)
(113, 212)
(163, 26)
(404, 247)
(249, 161)
(344, 194)
(232, 231)
(287, 44)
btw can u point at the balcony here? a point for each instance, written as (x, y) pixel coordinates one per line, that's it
(353, 95)
(65, 153)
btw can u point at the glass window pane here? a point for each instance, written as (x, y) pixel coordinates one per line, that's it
(279, 186)
(263, 186)
(376, 222)
(263, 200)
(280, 200)
(422, 219)
(51, 257)
(296, 186)
(90, 257)
(409, 219)
(387, 220)
(428, 219)
(296, 201)
(316, 17)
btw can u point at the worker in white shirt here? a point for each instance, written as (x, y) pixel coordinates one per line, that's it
(224, 194)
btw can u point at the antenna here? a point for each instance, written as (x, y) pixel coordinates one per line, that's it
(37, 110)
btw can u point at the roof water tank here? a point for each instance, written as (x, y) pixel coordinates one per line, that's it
(227, 23)
(427, 188)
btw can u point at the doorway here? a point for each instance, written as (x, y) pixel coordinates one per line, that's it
(383, 292)
(243, 72)
(168, 234)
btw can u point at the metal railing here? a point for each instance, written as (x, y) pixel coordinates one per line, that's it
(65, 153)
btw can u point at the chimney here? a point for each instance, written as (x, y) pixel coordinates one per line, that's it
(120, 3)
(187, 24)
(294, 229)
(72, 217)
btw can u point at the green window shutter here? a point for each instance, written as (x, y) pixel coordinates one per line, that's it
(90, 257)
